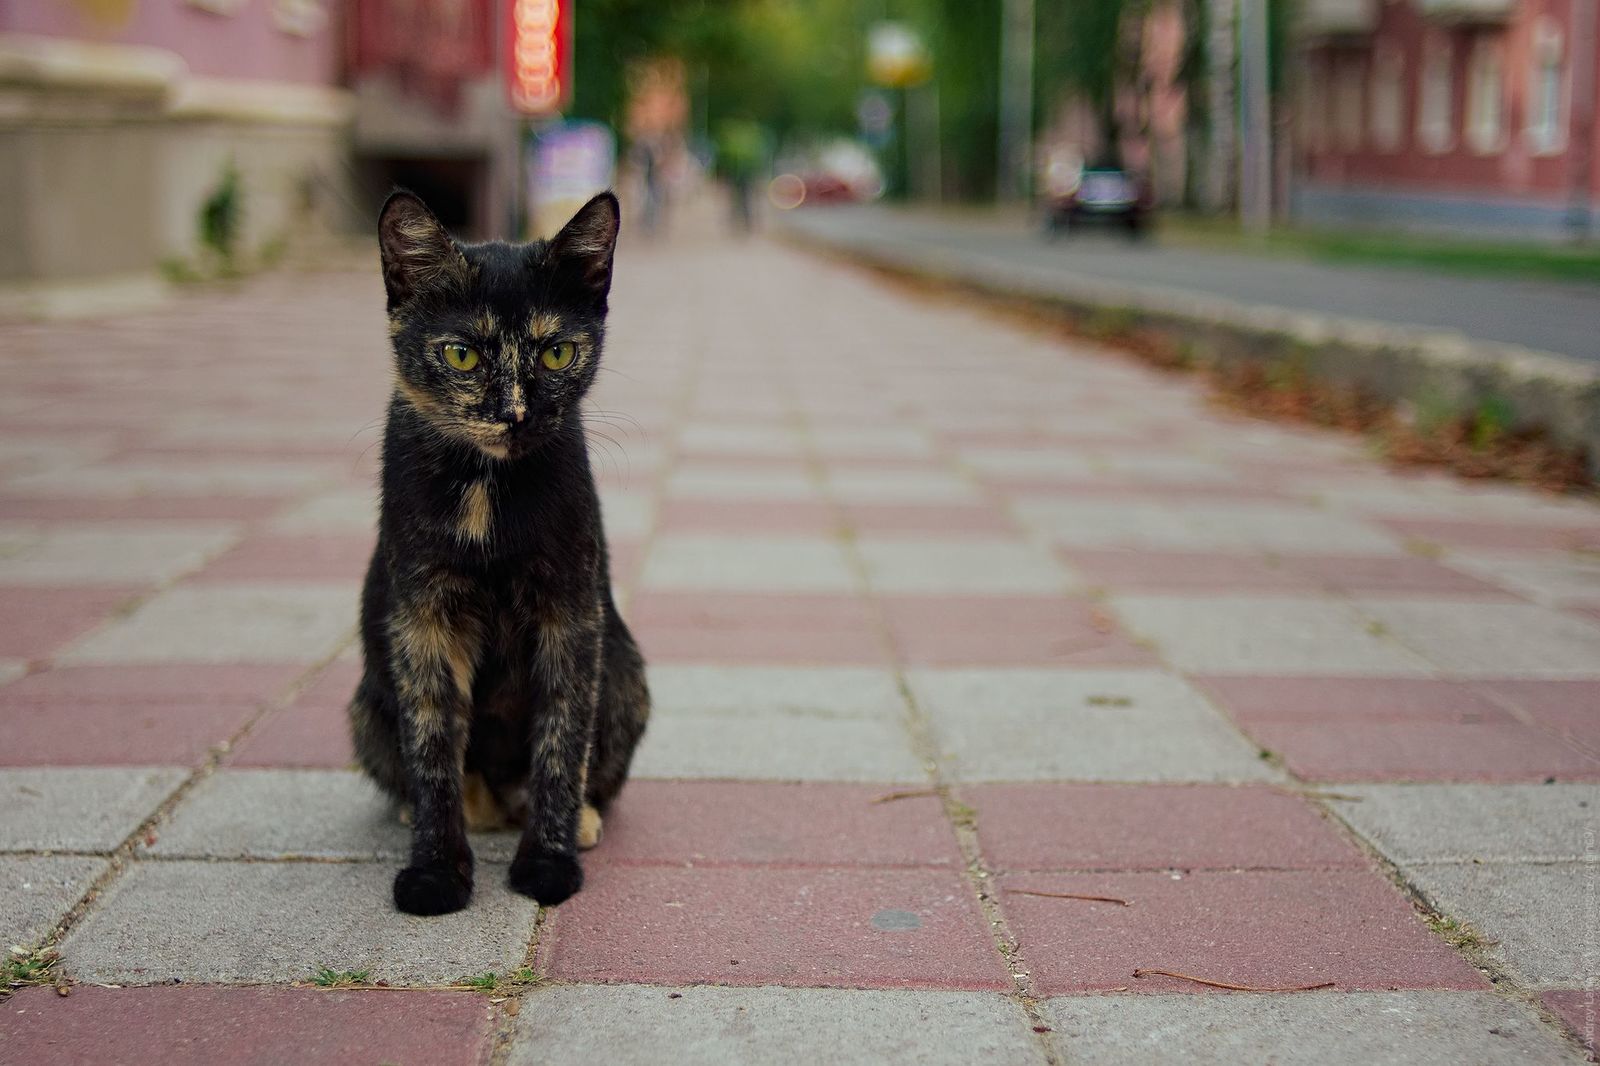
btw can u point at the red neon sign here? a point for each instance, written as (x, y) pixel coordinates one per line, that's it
(539, 65)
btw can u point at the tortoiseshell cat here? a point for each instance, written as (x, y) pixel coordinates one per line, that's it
(500, 682)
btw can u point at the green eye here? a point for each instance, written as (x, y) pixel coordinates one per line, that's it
(460, 357)
(559, 356)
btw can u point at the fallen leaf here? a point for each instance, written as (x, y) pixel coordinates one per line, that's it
(1070, 895)
(1147, 972)
(914, 793)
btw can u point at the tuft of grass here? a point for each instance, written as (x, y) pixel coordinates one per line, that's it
(485, 982)
(323, 977)
(1458, 934)
(27, 966)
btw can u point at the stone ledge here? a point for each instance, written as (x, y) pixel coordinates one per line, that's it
(1398, 363)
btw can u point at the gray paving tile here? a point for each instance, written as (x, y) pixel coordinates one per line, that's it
(1082, 725)
(1474, 823)
(836, 691)
(36, 892)
(776, 745)
(353, 510)
(988, 566)
(646, 1026)
(854, 484)
(1424, 1028)
(233, 922)
(1266, 635)
(1553, 578)
(108, 553)
(708, 481)
(276, 814)
(628, 513)
(78, 808)
(179, 478)
(1540, 918)
(265, 622)
(1493, 639)
(747, 564)
(1204, 527)
(742, 440)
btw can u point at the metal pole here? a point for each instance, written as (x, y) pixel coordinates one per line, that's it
(1580, 148)
(1015, 147)
(1222, 144)
(1255, 118)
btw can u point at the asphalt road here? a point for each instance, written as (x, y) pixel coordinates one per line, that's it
(1551, 316)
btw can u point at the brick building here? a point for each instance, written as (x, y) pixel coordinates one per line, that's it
(1469, 115)
(121, 119)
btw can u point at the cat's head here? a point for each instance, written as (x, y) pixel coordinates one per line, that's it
(495, 344)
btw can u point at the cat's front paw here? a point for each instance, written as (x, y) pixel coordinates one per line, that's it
(548, 876)
(429, 890)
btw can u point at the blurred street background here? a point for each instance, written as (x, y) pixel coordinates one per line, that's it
(1105, 489)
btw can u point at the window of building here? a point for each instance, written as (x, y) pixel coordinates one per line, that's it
(1349, 117)
(1546, 118)
(1435, 92)
(1486, 98)
(1388, 99)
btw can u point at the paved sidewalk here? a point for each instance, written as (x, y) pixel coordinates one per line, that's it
(950, 626)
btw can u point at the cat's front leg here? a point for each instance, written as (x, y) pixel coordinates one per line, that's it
(435, 644)
(565, 689)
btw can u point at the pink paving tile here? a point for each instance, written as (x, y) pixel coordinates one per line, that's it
(1580, 1009)
(626, 557)
(1149, 571)
(200, 1026)
(1108, 488)
(746, 628)
(310, 732)
(819, 927)
(1569, 708)
(1454, 533)
(1393, 729)
(130, 715)
(284, 558)
(1276, 928)
(716, 822)
(1347, 697)
(1390, 575)
(186, 508)
(103, 734)
(796, 517)
(35, 621)
(1489, 748)
(1154, 827)
(1006, 631)
(942, 519)
(153, 683)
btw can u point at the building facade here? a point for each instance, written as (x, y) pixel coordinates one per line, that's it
(142, 134)
(1466, 115)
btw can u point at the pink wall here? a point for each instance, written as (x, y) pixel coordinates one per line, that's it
(1514, 169)
(247, 44)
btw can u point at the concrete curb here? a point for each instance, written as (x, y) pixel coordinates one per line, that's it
(1398, 363)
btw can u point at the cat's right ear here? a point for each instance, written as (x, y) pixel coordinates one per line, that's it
(417, 252)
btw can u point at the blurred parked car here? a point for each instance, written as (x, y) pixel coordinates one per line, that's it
(1109, 195)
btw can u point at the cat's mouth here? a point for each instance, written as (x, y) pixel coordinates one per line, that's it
(500, 441)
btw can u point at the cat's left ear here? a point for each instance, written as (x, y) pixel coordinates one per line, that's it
(418, 255)
(587, 243)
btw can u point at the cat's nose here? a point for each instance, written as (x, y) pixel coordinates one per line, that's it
(513, 414)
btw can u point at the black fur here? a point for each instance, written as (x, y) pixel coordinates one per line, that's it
(491, 641)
